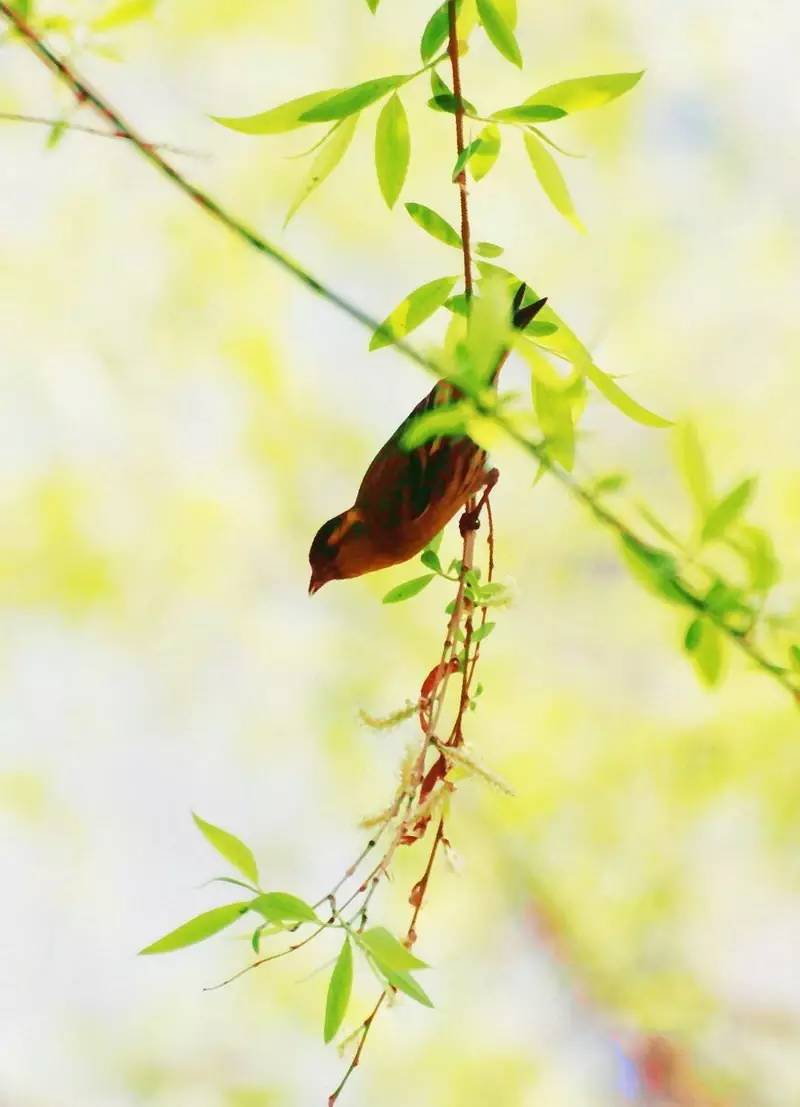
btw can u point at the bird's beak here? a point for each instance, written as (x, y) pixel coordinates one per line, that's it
(314, 585)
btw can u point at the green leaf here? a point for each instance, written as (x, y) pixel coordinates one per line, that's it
(339, 989)
(389, 954)
(554, 412)
(55, 134)
(235, 882)
(483, 632)
(430, 559)
(489, 250)
(332, 152)
(447, 102)
(551, 179)
(198, 929)
(354, 99)
(445, 419)
(436, 32)
(694, 632)
(541, 368)
(123, 13)
(486, 155)
(435, 543)
(654, 568)
(499, 32)
(464, 156)
(373, 5)
(459, 305)
(489, 333)
(528, 113)
(411, 312)
(392, 149)
(581, 93)
(727, 510)
(692, 466)
(444, 100)
(566, 343)
(708, 656)
(285, 117)
(614, 482)
(723, 600)
(434, 224)
(621, 400)
(794, 656)
(283, 907)
(230, 847)
(508, 10)
(410, 588)
(756, 547)
(405, 982)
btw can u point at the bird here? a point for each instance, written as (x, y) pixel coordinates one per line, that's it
(407, 496)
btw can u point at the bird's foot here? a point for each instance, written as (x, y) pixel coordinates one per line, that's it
(470, 520)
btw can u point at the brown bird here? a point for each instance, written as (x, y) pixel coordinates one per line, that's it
(407, 496)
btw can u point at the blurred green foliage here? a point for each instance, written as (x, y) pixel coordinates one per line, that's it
(180, 421)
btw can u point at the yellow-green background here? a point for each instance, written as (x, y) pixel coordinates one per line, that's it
(178, 418)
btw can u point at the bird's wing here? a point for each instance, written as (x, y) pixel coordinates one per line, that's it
(400, 485)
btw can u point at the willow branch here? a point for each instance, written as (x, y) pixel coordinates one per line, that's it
(63, 124)
(455, 67)
(85, 94)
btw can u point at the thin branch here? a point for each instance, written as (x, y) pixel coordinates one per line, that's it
(364, 1031)
(452, 50)
(63, 124)
(85, 94)
(421, 887)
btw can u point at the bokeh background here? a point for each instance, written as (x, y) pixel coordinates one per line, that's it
(178, 418)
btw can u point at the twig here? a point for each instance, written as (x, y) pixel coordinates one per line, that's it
(421, 887)
(452, 50)
(85, 94)
(59, 124)
(364, 1031)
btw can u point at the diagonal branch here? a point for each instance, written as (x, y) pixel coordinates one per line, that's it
(86, 95)
(63, 124)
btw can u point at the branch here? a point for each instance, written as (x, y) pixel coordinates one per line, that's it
(452, 50)
(62, 124)
(85, 94)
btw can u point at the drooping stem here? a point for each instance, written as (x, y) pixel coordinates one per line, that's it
(461, 179)
(363, 1032)
(421, 887)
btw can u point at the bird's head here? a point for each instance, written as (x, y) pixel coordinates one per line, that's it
(342, 548)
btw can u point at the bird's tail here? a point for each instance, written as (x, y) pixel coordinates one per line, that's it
(520, 318)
